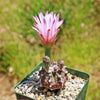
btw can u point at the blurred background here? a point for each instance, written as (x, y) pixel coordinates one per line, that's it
(78, 42)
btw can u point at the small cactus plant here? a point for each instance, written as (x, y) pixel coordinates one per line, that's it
(46, 61)
(53, 76)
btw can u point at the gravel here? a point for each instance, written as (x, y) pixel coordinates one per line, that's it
(32, 87)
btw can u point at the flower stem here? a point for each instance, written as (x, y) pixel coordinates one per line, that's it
(48, 52)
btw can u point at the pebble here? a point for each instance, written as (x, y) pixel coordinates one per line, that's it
(32, 95)
(45, 90)
(49, 99)
(73, 76)
(24, 89)
(81, 86)
(72, 81)
(17, 90)
(48, 93)
(20, 92)
(67, 93)
(36, 95)
(39, 98)
(29, 89)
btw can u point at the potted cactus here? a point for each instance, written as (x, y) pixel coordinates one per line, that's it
(51, 80)
(53, 77)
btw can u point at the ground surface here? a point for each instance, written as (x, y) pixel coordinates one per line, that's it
(6, 88)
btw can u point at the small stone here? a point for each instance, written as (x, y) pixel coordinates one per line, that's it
(45, 90)
(63, 99)
(73, 76)
(59, 98)
(69, 78)
(27, 94)
(39, 98)
(32, 95)
(20, 92)
(33, 74)
(67, 93)
(24, 89)
(17, 90)
(66, 72)
(36, 89)
(81, 86)
(75, 89)
(37, 72)
(61, 95)
(43, 97)
(48, 93)
(36, 96)
(40, 85)
(33, 90)
(70, 98)
(76, 92)
(49, 99)
(29, 89)
(72, 95)
(38, 76)
(72, 81)
(81, 81)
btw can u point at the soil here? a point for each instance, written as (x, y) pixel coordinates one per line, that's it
(6, 87)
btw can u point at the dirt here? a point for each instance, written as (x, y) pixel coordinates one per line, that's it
(6, 87)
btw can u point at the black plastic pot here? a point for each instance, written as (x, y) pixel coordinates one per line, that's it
(80, 96)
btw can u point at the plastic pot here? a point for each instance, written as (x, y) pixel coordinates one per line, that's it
(80, 96)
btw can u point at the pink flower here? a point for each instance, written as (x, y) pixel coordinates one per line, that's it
(55, 68)
(54, 63)
(47, 27)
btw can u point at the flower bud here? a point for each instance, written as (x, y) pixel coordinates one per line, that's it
(55, 68)
(46, 61)
(61, 64)
(54, 63)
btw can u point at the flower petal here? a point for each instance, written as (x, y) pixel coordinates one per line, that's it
(48, 36)
(53, 28)
(58, 17)
(46, 13)
(41, 17)
(59, 23)
(56, 33)
(35, 28)
(36, 19)
(51, 13)
(43, 42)
(35, 25)
(45, 28)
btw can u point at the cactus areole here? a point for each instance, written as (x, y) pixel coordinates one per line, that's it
(53, 76)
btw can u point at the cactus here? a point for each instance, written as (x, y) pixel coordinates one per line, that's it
(46, 61)
(53, 76)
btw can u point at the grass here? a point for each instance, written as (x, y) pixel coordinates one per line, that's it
(78, 41)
